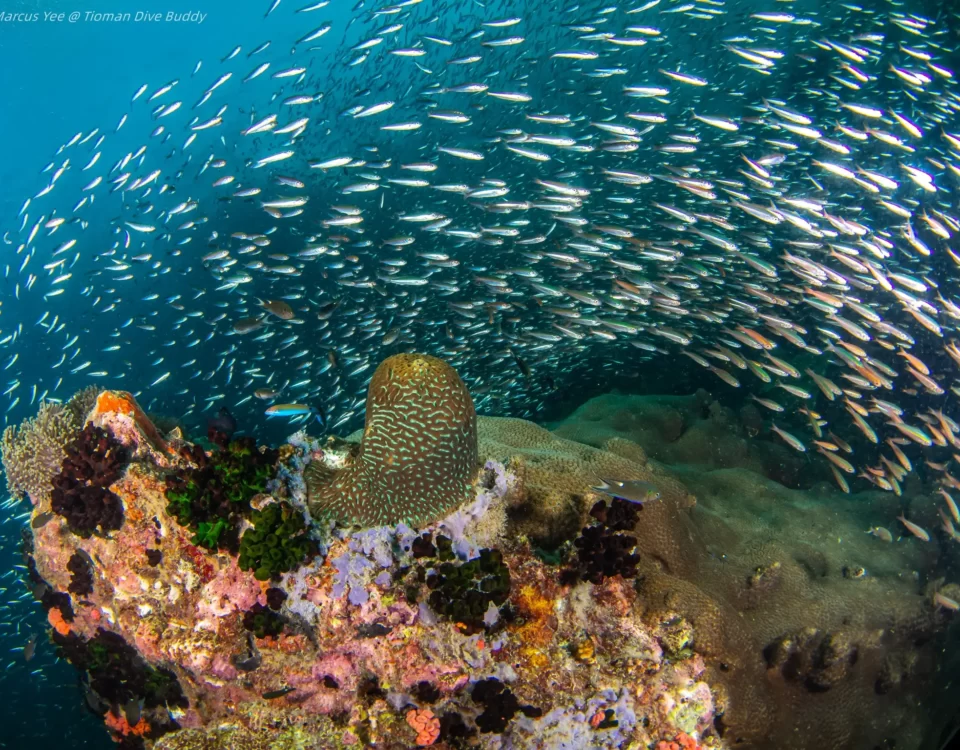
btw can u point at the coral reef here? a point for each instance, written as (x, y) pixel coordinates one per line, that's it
(418, 455)
(528, 612)
(33, 453)
(393, 638)
(213, 497)
(277, 543)
(81, 494)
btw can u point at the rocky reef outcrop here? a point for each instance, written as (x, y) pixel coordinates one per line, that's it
(530, 612)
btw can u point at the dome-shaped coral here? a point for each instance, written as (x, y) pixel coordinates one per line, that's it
(418, 455)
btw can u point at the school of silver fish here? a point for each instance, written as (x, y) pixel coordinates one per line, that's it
(517, 191)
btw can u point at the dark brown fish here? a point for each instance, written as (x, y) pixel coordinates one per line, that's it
(326, 310)
(30, 649)
(42, 520)
(245, 325)
(271, 694)
(373, 630)
(132, 711)
(276, 307)
(224, 422)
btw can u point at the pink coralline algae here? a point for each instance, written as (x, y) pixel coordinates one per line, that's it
(230, 590)
(349, 649)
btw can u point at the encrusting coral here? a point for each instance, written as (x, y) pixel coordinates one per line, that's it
(418, 455)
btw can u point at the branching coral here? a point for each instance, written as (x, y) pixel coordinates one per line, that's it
(32, 453)
(213, 498)
(419, 451)
(278, 542)
(94, 461)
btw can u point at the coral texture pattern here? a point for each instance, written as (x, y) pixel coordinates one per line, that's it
(419, 450)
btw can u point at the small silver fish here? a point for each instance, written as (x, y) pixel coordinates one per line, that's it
(632, 490)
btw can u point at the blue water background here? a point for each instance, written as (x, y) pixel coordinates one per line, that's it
(59, 79)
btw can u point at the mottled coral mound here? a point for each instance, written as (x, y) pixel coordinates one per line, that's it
(693, 431)
(808, 655)
(418, 455)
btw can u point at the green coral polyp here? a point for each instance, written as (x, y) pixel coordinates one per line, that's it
(463, 592)
(214, 497)
(278, 542)
(208, 534)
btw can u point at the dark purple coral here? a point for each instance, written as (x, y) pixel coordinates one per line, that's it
(500, 705)
(603, 550)
(603, 554)
(619, 515)
(95, 460)
(81, 574)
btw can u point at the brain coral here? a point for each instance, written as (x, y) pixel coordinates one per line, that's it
(418, 455)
